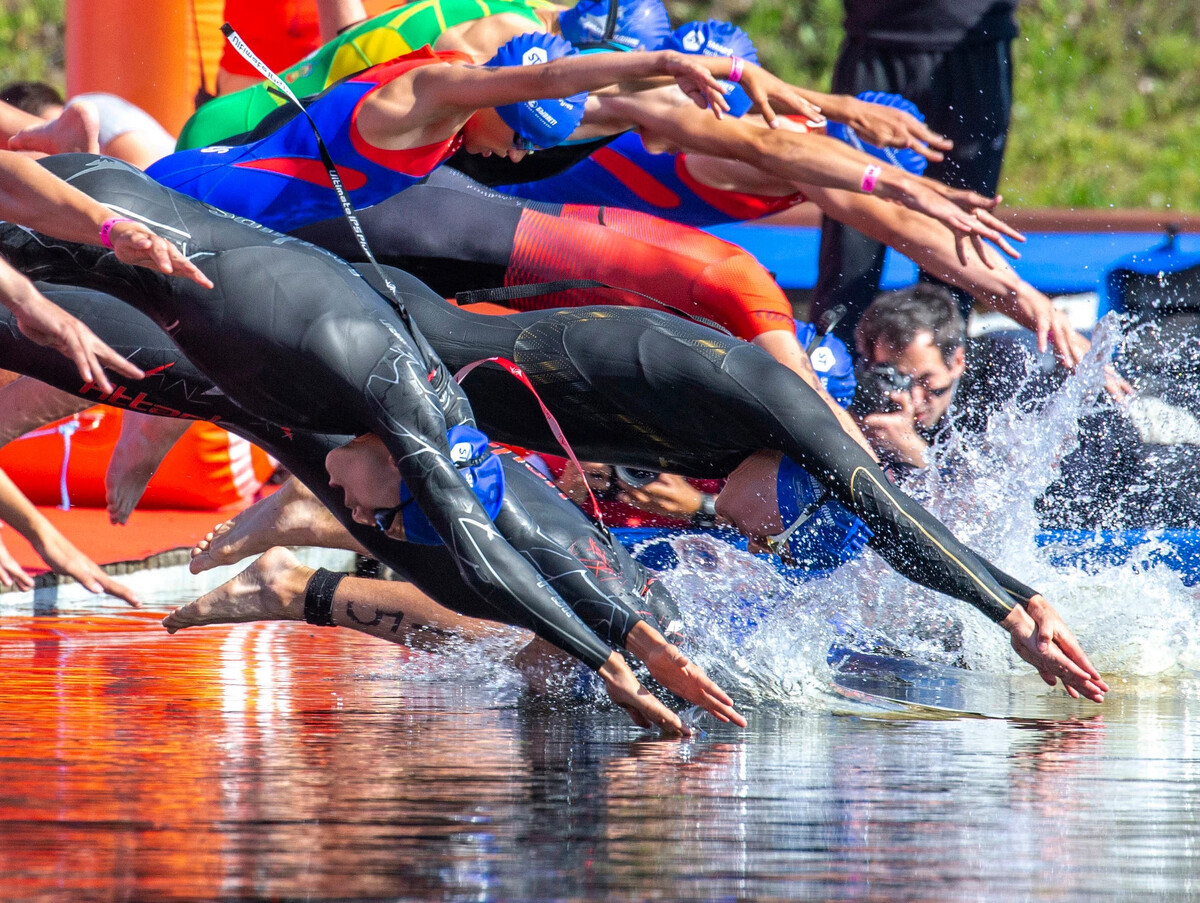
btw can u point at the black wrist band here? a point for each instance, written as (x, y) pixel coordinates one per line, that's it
(707, 515)
(318, 597)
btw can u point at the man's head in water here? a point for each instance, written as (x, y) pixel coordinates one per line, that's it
(515, 129)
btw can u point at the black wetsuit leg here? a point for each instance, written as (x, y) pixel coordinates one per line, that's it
(637, 387)
(447, 230)
(294, 335)
(598, 581)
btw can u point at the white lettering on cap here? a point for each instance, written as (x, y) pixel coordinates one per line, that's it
(823, 359)
(533, 56)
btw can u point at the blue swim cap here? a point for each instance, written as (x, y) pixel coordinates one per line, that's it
(832, 361)
(639, 24)
(547, 122)
(828, 535)
(480, 468)
(897, 156)
(717, 38)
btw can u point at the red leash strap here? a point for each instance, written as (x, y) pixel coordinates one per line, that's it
(520, 374)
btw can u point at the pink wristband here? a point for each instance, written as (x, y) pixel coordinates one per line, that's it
(870, 175)
(736, 64)
(107, 227)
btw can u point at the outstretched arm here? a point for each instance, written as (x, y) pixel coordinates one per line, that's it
(49, 325)
(880, 125)
(34, 197)
(798, 158)
(989, 280)
(55, 549)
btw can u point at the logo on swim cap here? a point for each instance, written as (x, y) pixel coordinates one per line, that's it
(692, 41)
(717, 38)
(823, 359)
(547, 121)
(461, 453)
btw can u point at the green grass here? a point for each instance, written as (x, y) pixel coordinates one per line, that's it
(31, 41)
(1107, 108)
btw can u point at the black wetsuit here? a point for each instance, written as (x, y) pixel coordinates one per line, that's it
(295, 337)
(605, 586)
(644, 389)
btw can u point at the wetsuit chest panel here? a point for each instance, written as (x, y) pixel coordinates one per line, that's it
(625, 174)
(279, 180)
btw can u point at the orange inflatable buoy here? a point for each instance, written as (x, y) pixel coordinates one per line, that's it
(64, 464)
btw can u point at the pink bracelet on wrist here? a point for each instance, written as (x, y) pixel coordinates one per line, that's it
(870, 176)
(736, 65)
(107, 227)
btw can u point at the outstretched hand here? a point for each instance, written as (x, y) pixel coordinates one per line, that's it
(970, 225)
(49, 325)
(135, 243)
(886, 126)
(767, 91)
(671, 668)
(696, 81)
(1040, 637)
(11, 572)
(645, 710)
(64, 558)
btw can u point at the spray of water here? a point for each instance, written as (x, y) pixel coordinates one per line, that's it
(769, 636)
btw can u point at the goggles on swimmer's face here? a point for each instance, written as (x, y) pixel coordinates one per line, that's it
(521, 143)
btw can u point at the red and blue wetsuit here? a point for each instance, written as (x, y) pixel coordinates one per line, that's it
(278, 179)
(625, 174)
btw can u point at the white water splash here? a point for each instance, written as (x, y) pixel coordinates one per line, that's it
(768, 637)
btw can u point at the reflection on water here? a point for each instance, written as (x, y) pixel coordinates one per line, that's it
(283, 761)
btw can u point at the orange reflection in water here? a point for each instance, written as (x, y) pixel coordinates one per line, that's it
(164, 766)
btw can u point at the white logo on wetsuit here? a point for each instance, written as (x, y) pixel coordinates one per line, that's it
(823, 359)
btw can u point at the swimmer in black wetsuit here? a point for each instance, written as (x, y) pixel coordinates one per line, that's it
(649, 390)
(294, 336)
(609, 590)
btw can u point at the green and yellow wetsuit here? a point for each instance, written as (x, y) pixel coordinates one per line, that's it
(376, 40)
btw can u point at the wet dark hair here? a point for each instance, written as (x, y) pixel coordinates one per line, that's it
(895, 319)
(31, 97)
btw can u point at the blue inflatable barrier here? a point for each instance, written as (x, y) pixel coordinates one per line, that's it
(1177, 549)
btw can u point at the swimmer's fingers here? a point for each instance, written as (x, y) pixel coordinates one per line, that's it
(697, 82)
(1035, 641)
(1117, 387)
(51, 326)
(890, 127)
(64, 558)
(1069, 345)
(11, 572)
(134, 243)
(765, 89)
(645, 710)
(671, 668)
(994, 222)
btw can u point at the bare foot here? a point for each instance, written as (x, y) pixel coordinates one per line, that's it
(271, 589)
(143, 444)
(292, 516)
(77, 130)
(27, 404)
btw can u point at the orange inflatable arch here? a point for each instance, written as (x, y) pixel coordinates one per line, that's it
(208, 468)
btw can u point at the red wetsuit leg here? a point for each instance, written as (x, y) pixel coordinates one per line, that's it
(681, 266)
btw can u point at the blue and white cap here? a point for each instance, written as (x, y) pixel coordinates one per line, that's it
(547, 121)
(831, 359)
(903, 157)
(482, 470)
(636, 25)
(717, 38)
